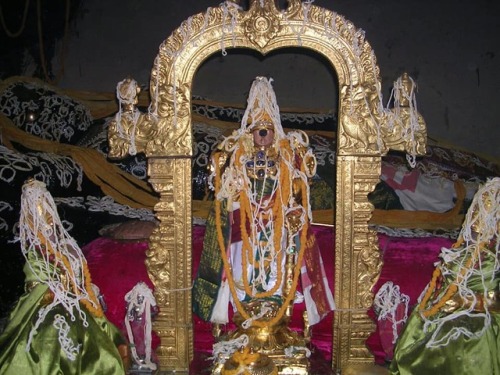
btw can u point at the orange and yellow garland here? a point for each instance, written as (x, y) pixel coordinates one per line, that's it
(283, 195)
(452, 288)
(92, 304)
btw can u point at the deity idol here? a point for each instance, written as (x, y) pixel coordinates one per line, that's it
(258, 242)
(455, 328)
(58, 325)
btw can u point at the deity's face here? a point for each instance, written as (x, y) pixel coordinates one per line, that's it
(263, 137)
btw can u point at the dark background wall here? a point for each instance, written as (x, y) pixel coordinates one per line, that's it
(451, 48)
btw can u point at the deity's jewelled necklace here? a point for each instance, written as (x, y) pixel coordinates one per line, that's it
(263, 164)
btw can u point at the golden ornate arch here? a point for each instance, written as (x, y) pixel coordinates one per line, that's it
(366, 131)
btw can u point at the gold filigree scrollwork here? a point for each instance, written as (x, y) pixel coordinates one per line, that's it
(262, 23)
(356, 246)
(412, 140)
(369, 270)
(405, 128)
(158, 268)
(174, 111)
(358, 122)
(130, 130)
(159, 255)
(168, 268)
(120, 140)
(294, 8)
(369, 128)
(369, 258)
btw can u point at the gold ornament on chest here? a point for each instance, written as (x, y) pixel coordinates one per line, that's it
(262, 164)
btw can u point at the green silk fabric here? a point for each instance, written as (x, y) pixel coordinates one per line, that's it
(98, 341)
(208, 279)
(462, 355)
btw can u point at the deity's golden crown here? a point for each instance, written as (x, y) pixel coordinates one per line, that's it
(264, 122)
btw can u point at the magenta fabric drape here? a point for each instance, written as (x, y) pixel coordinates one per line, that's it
(117, 266)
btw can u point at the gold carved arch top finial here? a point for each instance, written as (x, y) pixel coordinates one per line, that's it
(363, 123)
(166, 129)
(262, 22)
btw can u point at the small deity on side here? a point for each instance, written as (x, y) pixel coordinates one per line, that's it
(455, 329)
(58, 325)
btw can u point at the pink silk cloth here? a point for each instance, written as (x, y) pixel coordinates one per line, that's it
(117, 266)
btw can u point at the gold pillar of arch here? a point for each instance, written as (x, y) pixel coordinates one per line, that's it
(365, 133)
